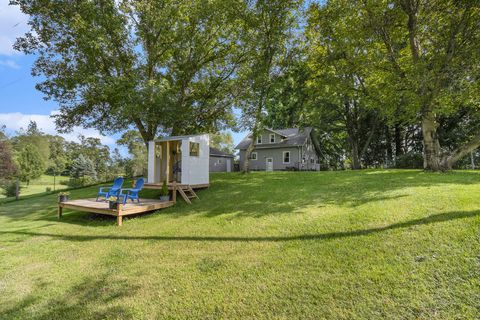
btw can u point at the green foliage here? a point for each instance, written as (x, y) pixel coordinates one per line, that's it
(83, 170)
(35, 137)
(58, 157)
(222, 141)
(30, 163)
(8, 188)
(7, 164)
(410, 160)
(136, 165)
(164, 190)
(149, 64)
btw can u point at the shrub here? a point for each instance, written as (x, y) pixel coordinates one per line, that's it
(48, 189)
(164, 190)
(410, 160)
(8, 188)
(81, 182)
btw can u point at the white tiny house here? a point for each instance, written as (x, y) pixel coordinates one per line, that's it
(183, 159)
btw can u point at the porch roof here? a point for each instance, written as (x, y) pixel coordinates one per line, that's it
(176, 138)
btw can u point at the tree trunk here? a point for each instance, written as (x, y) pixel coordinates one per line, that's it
(449, 160)
(248, 153)
(389, 151)
(431, 145)
(398, 140)
(356, 165)
(54, 174)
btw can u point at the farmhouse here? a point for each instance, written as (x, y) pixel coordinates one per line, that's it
(283, 149)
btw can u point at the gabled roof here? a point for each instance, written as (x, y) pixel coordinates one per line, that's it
(219, 153)
(293, 137)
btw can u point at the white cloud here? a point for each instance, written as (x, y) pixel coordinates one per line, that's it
(9, 63)
(13, 24)
(15, 121)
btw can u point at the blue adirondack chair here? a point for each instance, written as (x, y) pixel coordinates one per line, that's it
(114, 190)
(132, 193)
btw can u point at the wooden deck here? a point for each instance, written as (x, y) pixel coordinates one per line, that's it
(101, 207)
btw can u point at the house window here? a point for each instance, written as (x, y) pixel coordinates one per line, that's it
(259, 140)
(312, 161)
(219, 161)
(286, 157)
(194, 149)
(272, 138)
(253, 156)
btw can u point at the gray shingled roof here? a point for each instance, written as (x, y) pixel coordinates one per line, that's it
(219, 153)
(293, 137)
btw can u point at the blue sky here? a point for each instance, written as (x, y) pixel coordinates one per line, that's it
(20, 102)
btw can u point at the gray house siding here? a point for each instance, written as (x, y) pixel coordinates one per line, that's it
(219, 164)
(266, 138)
(309, 156)
(276, 154)
(303, 155)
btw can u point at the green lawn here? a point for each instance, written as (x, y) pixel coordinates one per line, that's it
(286, 245)
(40, 185)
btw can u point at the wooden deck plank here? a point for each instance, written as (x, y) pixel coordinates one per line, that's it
(101, 207)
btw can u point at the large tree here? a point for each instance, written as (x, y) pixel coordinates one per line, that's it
(270, 26)
(7, 165)
(343, 94)
(58, 157)
(30, 163)
(430, 52)
(154, 65)
(137, 162)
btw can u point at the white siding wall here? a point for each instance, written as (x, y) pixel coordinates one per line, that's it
(195, 170)
(151, 161)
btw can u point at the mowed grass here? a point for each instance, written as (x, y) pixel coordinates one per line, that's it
(286, 245)
(40, 185)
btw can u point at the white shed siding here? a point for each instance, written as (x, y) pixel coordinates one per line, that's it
(151, 162)
(195, 170)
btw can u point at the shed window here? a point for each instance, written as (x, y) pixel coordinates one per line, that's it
(259, 139)
(312, 161)
(286, 157)
(194, 149)
(272, 138)
(253, 156)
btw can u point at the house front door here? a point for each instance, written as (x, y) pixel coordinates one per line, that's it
(269, 164)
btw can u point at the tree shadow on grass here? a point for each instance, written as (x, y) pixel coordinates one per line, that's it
(435, 218)
(96, 297)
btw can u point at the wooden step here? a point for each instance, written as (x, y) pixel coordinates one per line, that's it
(184, 196)
(187, 193)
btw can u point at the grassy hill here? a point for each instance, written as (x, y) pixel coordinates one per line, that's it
(335, 245)
(40, 185)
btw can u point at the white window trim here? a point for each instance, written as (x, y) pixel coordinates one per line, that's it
(251, 156)
(270, 137)
(259, 137)
(289, 157)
